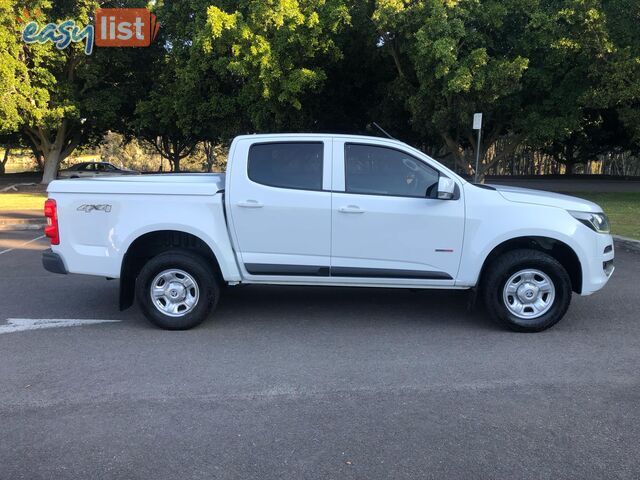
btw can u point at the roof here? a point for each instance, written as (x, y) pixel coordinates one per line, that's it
(320, 135)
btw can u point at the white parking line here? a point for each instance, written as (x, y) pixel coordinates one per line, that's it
(21, 245)
(24, 324)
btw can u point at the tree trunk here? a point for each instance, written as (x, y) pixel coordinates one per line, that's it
(37, 154)
(210, 154)
(7, 152)
(52, 162)
(54, 152)
(457, 151)
(568, 167)
(39, 162)
(507, 151)
(172, 149)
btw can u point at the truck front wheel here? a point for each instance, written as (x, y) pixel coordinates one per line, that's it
(527, 290)
(176, 290)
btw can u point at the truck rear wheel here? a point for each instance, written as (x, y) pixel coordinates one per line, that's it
(176, 290)
(527, 290)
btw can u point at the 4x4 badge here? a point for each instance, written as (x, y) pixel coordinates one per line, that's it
(89, 208)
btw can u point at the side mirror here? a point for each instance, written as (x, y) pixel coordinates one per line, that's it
(446, 188)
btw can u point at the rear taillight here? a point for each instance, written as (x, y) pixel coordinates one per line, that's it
(51, 214)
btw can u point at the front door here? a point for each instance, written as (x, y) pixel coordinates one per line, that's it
(388, 225)
(280, 204)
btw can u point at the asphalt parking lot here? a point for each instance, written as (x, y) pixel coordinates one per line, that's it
(313, 383)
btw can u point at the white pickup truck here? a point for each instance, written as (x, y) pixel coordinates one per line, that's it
(335, 210)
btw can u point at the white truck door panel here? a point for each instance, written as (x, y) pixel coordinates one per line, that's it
(280, 205)
(383, 226)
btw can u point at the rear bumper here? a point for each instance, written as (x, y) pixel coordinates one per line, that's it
(52, 262)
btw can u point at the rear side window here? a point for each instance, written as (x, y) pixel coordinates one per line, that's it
(375, 170)
(287, 165)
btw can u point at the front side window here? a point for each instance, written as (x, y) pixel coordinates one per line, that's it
(377, 170)
(287, 165)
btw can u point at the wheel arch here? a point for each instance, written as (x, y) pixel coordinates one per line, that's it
(558, 249)
(150, 244)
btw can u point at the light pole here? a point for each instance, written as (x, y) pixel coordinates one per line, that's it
(477, 125)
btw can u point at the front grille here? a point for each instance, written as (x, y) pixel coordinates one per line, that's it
(607, 267)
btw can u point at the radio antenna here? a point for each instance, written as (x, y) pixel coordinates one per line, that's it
(383, 130)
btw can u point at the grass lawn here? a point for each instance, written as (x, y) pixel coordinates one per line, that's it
(22, 201)
(622, 208)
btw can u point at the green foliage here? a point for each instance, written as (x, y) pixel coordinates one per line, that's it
(235, 67)
(532, 67)
(27, 80)
(619, 80)
(14, 88)
(49, 72)
(115, 149)
(274, 51)
(561, 76)
(186, 100)
(62, 98)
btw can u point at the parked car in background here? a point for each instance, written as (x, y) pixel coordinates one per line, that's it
(93, 169)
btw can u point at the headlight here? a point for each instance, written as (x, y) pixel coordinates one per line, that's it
(595, 221)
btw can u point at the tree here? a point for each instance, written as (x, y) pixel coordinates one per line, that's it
(563, 119)
(15, 90)
(157, 121)
(352, 96)
(454, 59)
(274, 53)
(51, 119)
(8, 142)
(235, 67)
(186, 102)
(618, 74)
(214, 155)
(526, 64)
(599, 132)
(64, 98)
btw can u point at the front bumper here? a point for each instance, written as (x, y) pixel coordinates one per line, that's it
(52, 262)
(599, 268)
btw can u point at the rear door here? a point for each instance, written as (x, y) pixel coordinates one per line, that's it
(280, 206)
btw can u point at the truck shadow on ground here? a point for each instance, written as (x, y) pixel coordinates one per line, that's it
(354, 306)
(280, 306)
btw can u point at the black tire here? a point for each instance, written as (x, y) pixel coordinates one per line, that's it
(203, 275)
(501, 270)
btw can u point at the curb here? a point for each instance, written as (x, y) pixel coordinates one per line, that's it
(26, 221)
(16, 227)
(630, 243)
(21, 220)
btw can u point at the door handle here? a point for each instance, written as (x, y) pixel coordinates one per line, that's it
(250, 204)
(350, 209)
